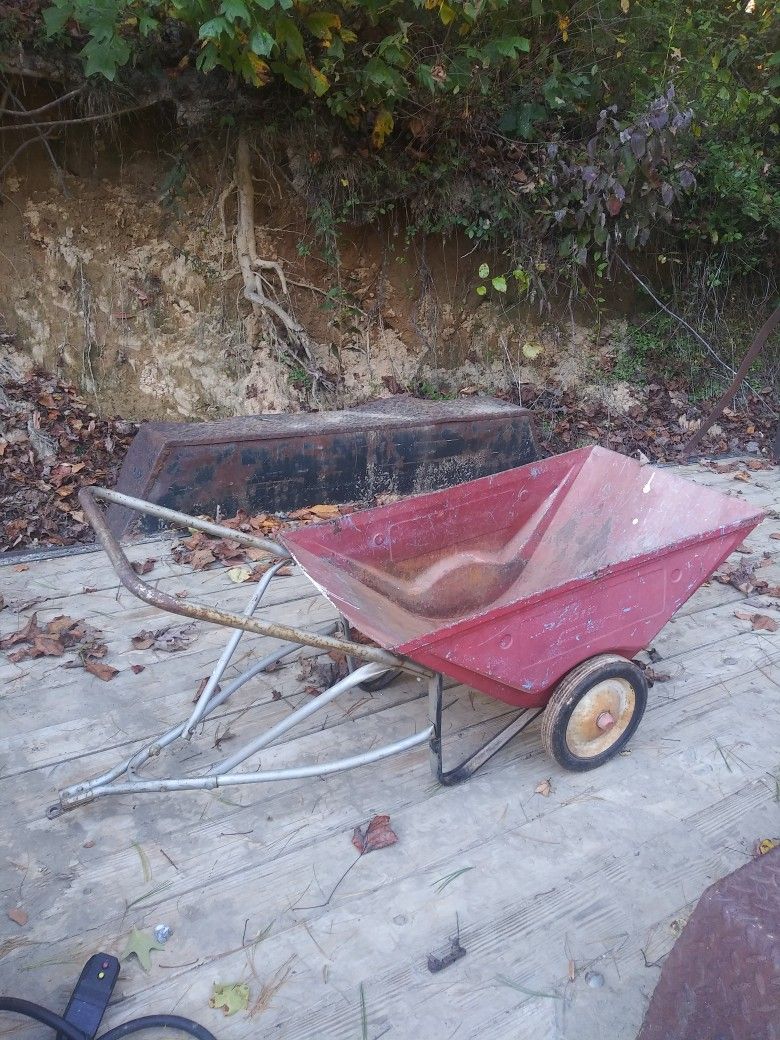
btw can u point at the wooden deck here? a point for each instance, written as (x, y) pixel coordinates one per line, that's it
(552, 895)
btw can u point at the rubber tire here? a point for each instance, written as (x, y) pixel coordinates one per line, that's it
(567, 695)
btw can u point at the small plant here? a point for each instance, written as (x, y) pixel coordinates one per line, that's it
(499, 281)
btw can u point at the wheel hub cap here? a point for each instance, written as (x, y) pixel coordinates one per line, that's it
(600, 717)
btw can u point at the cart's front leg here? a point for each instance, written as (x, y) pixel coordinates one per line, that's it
(469, 765)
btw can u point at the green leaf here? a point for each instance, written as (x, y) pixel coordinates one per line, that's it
(212, 29)
(261, 42)
(425, 77)
(481, 290)
(146, 24)
(499, 283)
(234, 9)
(288, 36)
(319, 83)
(54, 18)
(506, 47)
(380, 73)
(104, 57)
(141, 944)
(229, 997)
(446, 13)
(322, 23)
(536, 8)
(483, 271)
(531, 350)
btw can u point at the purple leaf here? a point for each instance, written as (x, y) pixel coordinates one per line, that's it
(667, 193)
(638, 144)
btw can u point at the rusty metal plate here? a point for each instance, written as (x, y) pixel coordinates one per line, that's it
(281, 462)
(722, 979)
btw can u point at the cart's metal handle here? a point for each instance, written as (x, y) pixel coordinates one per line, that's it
(200, 612)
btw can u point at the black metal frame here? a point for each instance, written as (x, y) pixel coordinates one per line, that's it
(469, 766)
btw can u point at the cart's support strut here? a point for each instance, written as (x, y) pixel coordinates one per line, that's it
(470, 765)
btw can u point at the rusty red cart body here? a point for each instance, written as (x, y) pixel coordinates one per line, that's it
(536, 586)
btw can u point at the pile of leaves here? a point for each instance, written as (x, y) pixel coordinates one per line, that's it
(52, 443)
(657, 426)
(199, 551)
(57, 637)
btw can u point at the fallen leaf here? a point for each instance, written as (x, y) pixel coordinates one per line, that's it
(202, 686)
(100, 669)
(19, 916)
(141, 944)
(229, 997)
(763, 846)
(201, 559)
(325, 512)
(775, 535)
(136, 669)
(377, 835)
(240, 574)
(144, 567)
(170, 639)
(23, 635)
(544, 788)
(655, 676)
(760, 622)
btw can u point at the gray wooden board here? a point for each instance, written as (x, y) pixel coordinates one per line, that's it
(597, 877)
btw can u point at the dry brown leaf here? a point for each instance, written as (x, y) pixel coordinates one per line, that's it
(100, 669)
(741, 475)
(544, 788)
(143, 567)
(377, 835)
(655, 676)
(23, 635)
(760, 622)
(775, 535)
(201, 559)
(171, 639)
(19, 916)
(325, 512)
(136, 669)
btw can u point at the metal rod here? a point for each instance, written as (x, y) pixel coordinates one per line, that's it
(200, 612)
(230, 649)
(129, 765)
(209, 783)
(140, 505)
(367, 671)
(470, 765)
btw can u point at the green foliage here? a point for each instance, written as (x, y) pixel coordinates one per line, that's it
(545, 129)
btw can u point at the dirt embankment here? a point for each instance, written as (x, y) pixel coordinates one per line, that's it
(120, 273)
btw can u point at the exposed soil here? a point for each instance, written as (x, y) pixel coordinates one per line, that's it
(119, 276)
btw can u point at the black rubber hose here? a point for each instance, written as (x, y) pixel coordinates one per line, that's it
(70, 1032)
(174, 1022)
(41, 1014)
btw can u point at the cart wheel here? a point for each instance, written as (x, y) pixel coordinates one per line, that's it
(593, 712)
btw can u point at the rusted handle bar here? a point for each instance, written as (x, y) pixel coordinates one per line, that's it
(133, 583)
(173, 516)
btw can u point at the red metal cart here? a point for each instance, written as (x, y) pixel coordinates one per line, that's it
(536, 586)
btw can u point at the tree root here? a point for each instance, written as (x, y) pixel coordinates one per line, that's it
(295, 342)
